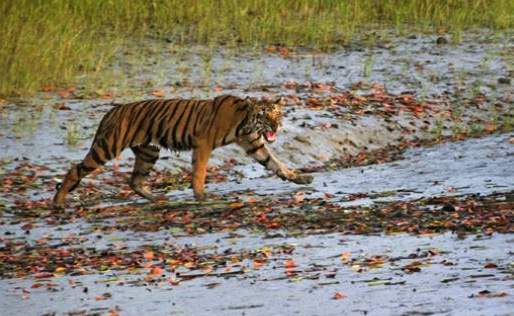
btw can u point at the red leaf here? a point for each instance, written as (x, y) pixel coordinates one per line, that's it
(339, 296)
(289, 264)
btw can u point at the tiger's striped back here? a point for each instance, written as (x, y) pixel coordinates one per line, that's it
(174, 124)
(179, 124)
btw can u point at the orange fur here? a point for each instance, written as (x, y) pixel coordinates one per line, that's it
(179, 124)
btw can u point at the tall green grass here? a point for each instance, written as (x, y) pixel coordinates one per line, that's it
(50, 42)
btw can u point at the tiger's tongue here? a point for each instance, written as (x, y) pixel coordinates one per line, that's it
(271, 136)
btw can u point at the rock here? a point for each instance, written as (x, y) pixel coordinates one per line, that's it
(448, 208)
(302, 139)
(441, 40)
(504, 80)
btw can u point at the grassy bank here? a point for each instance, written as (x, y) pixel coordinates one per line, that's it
(49, 42)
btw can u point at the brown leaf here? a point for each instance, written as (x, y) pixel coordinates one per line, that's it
(103, 297)
(488, 294)
(490, 265)
(156, 271)
(43, 275)
(149, 255)
(339, 296)
(289, 264)
(159, 93)
(299, 197)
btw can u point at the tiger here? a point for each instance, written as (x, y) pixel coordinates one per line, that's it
(200, 125)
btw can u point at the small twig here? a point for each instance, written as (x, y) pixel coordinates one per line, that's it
(171, 205)
(210, 274)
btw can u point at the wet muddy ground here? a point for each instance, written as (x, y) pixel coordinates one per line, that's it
(411, 211)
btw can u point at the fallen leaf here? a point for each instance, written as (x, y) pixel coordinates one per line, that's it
(251, 199)
(345, 257)
(257, 264)
(113, 313)
(156, 271)
(488, 294)
(339, 296)
(173, 281)
(289, 264)
(43, 275)
(158, 93)
(60, 270)
(103, 297)
(149, 255)
(299, 197)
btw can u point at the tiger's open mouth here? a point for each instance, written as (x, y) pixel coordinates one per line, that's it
(270, 136)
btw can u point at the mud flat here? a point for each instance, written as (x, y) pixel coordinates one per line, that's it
(411, 211)
(280, 252)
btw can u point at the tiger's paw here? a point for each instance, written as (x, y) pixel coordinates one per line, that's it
(200, 196)
(58, 206)
(145, 193)
(303, 179)
(58, 202)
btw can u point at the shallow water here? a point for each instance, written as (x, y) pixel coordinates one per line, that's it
(38, 130)
(450, 277)
(443, 286)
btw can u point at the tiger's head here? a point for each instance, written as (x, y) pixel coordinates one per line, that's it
(266, 117)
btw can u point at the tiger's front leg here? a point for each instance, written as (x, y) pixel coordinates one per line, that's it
(201, 156)
(257, 149)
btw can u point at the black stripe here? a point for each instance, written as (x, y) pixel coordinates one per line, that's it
(132, 116)
(86, 168)
(163, 134)
(146, 118)
(238, 128)
(148, 159)
(173, 128)
(190, 141)
(218, 107)
(155, 115)
(140, 173)
(141, 154)
(151, 156)
(265, 162)
(258, 138)
(254, 150)
(241, 106)
(96, 158)
(157, 108)
(105, 147)
(224, 142)
(177, 123)
(137, 112)
(114, 149)
(74, 186)
(184, 140)
(200, 116)
(83, 170)
(129, 119)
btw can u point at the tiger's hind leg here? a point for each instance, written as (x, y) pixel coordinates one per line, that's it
(146, 156)
(95, 158)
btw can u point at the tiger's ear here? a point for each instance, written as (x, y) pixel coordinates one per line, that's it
(280, 101)
(251, 100)
(249, 104)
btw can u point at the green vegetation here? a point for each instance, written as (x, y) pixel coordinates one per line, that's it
(72, 134)
(49, 43)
